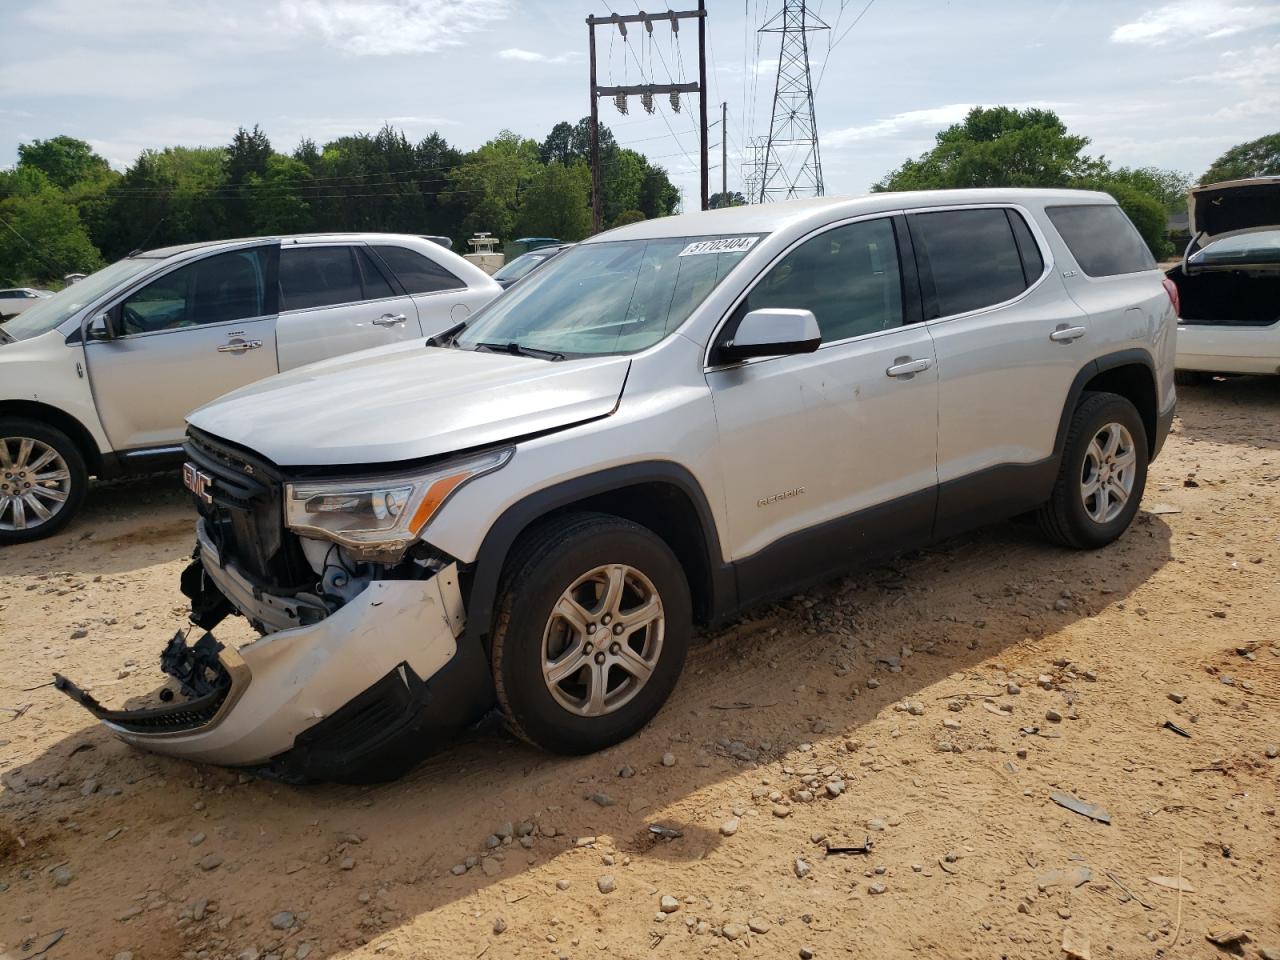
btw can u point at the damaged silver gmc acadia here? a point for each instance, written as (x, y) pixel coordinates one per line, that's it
(665, 424)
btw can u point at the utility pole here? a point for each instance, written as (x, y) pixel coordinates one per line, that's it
(646, 91)
(702, 94)
(724, 151)
(793, 131)
(597, 202)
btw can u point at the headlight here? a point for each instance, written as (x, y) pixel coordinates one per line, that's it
(381, 515)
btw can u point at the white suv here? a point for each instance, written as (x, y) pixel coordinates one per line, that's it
(667, 423)
(97, 379)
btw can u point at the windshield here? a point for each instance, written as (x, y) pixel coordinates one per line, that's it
(518, 267)
(1262, 247)
(45, 314)
(608, 298)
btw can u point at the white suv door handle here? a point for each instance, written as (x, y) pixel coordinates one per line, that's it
(239, 346)
(1067, 334)
(390, 319)
(906, 367)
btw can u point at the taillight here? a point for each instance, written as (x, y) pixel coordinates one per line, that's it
(1171, 289)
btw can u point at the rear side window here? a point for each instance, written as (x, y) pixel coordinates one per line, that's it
(416, 273)
(318, 277)
(972, 256)
(1102, 239)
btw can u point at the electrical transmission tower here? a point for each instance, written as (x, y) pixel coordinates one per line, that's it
(752, 164)
(792, 164)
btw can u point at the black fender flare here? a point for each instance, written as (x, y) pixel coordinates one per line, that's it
(1110, 361)
(497, 543)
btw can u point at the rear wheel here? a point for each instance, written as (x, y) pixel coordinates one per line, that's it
(1102, 475)
(592, 628)
(42, 480)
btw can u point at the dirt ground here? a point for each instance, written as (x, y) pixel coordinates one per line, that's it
(911, 704)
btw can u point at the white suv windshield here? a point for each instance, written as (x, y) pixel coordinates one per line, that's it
(43, 315)
(607, 298)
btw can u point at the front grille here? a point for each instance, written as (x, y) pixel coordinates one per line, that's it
(245, 517)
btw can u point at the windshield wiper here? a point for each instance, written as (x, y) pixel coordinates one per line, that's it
(519, 350)
(446, 338)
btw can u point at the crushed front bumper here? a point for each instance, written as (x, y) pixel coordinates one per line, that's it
(330, 700)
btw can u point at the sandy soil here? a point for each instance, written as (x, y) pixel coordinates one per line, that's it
(893, 683)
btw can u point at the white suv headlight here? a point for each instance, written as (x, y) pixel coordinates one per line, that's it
(381, 515)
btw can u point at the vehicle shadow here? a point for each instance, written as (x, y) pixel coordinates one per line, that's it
(790, 682)
(1225, 410)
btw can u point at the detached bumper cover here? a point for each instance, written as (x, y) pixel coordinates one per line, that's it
(251, 706)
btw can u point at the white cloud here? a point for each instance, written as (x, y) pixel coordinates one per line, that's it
(1189, 20)
(910, 123)
(532, 56)
(385, 27)
(98, 73)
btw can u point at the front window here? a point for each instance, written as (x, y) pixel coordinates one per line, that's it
(50, 312)
(217, 289)
(608, 298)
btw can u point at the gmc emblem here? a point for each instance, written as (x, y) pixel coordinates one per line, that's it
(198, 482)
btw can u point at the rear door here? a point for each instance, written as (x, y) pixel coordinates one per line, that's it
(442, 298)
(830, 457)
(184, 338)
(1009, 344)
(335, 299)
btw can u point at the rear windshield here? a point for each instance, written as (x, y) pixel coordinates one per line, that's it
(1102, 239)
(1246, 249)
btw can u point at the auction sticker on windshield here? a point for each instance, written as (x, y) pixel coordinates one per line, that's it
(723, 245)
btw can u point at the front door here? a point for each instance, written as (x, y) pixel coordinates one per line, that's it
(830, 457)
(334, 300)
(182, 340)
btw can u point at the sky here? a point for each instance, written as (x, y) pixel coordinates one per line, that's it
(1170, 84)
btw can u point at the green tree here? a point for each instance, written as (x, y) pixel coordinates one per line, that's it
(557, 202)
(1257, 158)
(66, 161)
(276, 198)
(485, 188)
(628, 216)
(1004, 147)
(41, 236)
(730, 199)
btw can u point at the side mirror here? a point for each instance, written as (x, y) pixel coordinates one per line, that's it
(102, 327)
(772, 332)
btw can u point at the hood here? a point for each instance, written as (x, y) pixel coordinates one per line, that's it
(407, 402)
(1233, 206)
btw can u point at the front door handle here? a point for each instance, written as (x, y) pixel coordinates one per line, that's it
(390, 319)
(906, 367)
(239, 346)
(1065, 334)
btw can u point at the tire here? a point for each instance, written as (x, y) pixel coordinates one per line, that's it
(1191, 378)
(591, 551)
(1074, 518)
(59, 491)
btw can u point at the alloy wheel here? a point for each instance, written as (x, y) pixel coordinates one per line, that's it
(603, 639)
(35, 483)
(1108, 473)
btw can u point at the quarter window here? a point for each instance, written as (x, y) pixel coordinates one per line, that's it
(376, 285)
(219, 289)
(318, 277)
(416, 273)
(847, 276)
(1102, 239)
(972, 257)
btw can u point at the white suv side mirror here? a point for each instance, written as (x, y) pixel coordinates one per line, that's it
(101, 327)
(772, 332)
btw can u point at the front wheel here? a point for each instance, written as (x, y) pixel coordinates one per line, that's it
(592, 628)
(42, 480)
(1102, 475)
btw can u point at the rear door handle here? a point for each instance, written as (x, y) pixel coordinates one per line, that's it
(906, 367)
(390, 319)
(1065, 334)
(239, 346)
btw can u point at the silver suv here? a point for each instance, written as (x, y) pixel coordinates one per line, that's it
(666, 424)
(97, 379)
